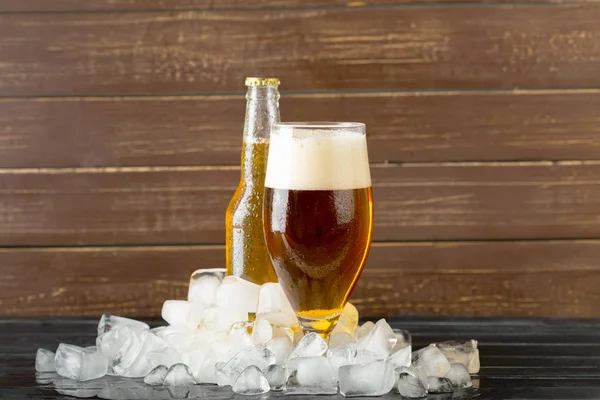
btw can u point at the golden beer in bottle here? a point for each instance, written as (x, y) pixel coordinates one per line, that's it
(246, 252)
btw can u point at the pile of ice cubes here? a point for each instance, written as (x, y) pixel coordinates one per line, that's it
(231, 332)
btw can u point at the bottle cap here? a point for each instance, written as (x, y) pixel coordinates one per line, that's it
(253, 81)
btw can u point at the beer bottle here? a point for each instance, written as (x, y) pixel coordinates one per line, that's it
(246, 252)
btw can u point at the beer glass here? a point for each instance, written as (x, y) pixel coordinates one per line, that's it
(318, 216)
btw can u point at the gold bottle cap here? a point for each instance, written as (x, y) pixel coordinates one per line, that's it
(253, 81)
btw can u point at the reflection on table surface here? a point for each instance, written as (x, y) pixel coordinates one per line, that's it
(118, 388)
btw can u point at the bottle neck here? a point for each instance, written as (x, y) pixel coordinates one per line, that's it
(262, 111)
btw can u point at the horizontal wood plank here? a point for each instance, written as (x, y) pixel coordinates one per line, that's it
(187, 204)
(127, 5)
(100, 206)
(480, 278)
(330, 48)
(487, 201)
(205, 130)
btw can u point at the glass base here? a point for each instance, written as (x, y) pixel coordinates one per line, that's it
(321, 326)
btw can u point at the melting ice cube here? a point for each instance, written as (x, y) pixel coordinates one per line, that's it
(310, 375)
(156, 376)
(251, 382)
(373, 379)
(44, 361)
(76, 363)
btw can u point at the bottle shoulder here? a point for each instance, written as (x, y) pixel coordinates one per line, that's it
(246, 198)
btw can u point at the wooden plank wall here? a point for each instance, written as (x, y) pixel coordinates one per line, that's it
(120, 133)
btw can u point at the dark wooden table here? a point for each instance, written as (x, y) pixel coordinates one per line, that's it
(520, 358)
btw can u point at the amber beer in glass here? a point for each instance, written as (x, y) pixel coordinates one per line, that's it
(246, 251)
(318, 216)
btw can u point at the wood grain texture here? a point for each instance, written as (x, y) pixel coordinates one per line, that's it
(206, 130)
(212, 51)
(132, 5)
(477, 278)
(187, 204)
(104, 206)
(120, 120)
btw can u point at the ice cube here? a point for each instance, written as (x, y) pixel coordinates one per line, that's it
(380, 340)
(109, 322)
(429, 361)
(437, 385)
(364, 329)
(373, 379)
(281, 319)
(156, 376)
(218, 354)
(259, 357)
(44, 378)
(183, 314)
(179, 339)
(348, 321)
(201, 364)
(274, 306)
(311, 345)
(216, 272)
(238, 343)
(459, 376)
(241, 327)
(340, 339)
(275, 374)
(222, 377)
(130, 361)
(221, 319)
(281, 330)
(73, 362)
(159, 330)
(341, 355)
(406, 370)
(179, 375)
(402, 357)
(410, 386)
(238, 294)
(281, 347)
(167, 357)
(309, 375)
(219, 366)
(262, 331)
(366, 356)
(464, 352)
(196, 315)
(44, 361)
(256, 356)
(129, 352)
(112, 341)
(225, 346)
(272, 298)
(403, 339)
(204, 284)
(251, 382)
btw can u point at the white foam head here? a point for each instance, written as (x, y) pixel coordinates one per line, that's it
(319, 156)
